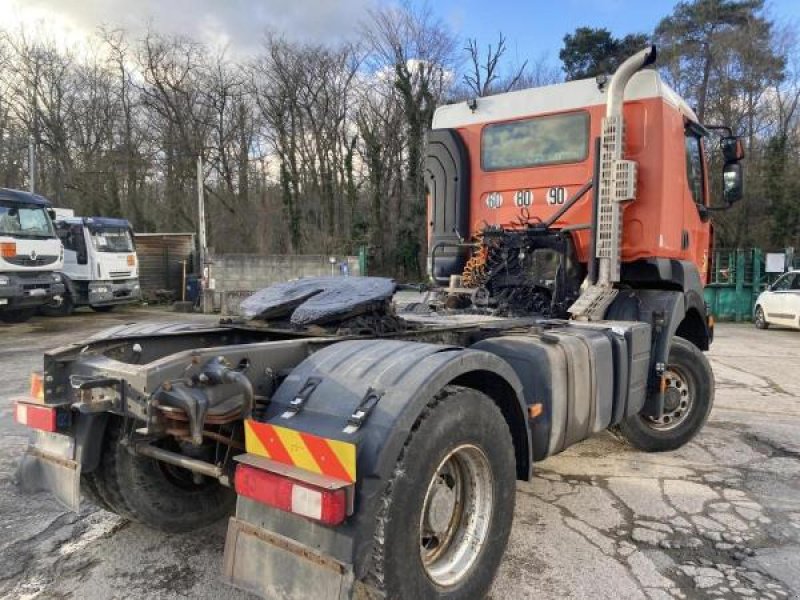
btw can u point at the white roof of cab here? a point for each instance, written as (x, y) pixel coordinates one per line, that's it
(560, 97)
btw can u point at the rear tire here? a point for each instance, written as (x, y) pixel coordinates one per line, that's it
(690, 389)
(151, 493)
(17, 315)
(759, 320)
(90, 491)
(457, 464)
(103, 309)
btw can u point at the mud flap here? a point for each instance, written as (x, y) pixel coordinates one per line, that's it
(274, 566)
(48, 465)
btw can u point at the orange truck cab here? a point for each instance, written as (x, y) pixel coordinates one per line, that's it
(513, 176)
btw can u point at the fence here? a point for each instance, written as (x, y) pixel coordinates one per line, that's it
(737, 278)
(236, 276)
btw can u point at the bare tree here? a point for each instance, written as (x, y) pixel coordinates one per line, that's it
(313, 147)
(418, 51)
(484, 76)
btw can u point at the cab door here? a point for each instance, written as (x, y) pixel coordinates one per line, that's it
(72, 237)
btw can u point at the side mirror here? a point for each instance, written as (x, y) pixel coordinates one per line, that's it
(732, 148)
(732, 182)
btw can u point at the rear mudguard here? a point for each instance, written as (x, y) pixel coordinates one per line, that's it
(405, 376)
(55, 462)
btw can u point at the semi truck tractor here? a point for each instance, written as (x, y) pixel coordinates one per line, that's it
(100, 265)
(369, 451)
(30, 255)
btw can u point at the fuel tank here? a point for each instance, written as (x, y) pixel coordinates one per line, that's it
(587, 377)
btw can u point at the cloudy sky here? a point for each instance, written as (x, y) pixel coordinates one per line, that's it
(239, 23)
(532, 27)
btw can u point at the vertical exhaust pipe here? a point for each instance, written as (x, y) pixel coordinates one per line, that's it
(610, 218)
(615, 184)
(621, 77)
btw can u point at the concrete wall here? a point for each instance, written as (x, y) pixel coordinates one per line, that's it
(237, 275)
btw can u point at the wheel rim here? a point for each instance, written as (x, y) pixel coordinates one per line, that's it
(678, 401)
(456, 515)
(759, 317)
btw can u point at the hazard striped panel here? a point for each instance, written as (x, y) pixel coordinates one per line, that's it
(312, 453)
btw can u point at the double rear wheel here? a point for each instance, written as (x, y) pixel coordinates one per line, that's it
(151, 492)
(447, 512)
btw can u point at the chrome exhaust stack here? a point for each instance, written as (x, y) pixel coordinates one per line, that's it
(619, 81)
(616, 186)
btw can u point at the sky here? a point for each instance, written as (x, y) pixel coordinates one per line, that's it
(533, 28)
(537, 27)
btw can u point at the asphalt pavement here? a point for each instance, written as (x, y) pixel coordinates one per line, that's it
(719, 518)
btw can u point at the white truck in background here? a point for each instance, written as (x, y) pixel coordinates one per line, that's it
(100, 265)
(30, 255)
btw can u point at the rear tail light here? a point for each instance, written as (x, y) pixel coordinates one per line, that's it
(8, 249)
(285, 493)
(131, 260)
(36, 416)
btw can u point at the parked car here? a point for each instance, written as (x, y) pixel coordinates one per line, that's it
(779, 304)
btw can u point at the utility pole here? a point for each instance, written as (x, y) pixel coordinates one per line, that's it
(201, 214)
(207, 285)
(32, 164)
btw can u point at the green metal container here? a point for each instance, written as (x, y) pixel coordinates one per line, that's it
(737, 278)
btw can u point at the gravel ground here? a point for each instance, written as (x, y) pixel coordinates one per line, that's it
(719, 518)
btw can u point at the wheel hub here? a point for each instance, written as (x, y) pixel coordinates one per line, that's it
(456, 515)
(672, 399)
(441, 506)
(678, 401)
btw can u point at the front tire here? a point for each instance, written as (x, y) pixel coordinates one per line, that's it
(65, 309)
(688, 401)
(446, 514)
(152, 493)
(17, 315)
(759, 320)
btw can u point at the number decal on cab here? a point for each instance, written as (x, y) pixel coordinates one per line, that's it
(556, 195)
(523, 198)
(494, 200)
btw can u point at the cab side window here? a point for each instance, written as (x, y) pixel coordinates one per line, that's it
(71, 236)
(64, 234)
(694, 167)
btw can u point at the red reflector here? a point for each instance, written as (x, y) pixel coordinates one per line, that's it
(35, 416)
(284, 493)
